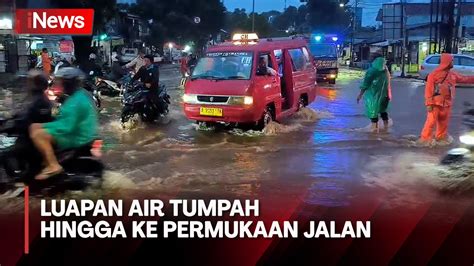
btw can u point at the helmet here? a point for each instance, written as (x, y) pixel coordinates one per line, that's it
(71, 78)
(70, 73)
(92, 56)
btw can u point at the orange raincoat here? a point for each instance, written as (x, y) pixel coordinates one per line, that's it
(439, 94)
(46, 61)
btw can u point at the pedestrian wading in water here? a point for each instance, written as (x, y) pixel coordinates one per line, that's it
(376, 90)
(439, 95)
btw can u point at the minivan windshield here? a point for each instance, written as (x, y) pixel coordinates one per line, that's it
(224, 66)
(323, 50)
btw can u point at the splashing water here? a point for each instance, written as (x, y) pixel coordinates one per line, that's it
(246, 133)
(414, 141)
(274, 128)
(116, 181)
(310, 115)
(380, 124)
(204, 127)
(416, 178)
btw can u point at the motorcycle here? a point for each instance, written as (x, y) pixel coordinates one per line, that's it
(112, 88)
(89, 85)
(135, 100)
(54, 93)
(465, 152)
(22, 162)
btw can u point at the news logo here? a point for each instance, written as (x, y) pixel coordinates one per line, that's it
(54, 21)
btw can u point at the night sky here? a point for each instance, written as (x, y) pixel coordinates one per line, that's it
(260, 5)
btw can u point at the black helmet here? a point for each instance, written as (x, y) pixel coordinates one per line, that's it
(150, 57)
(38, 81)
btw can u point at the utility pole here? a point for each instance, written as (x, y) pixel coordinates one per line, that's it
(442, 34)
(431, 27)
(437, 43)
(450, 27)
(354, 28)
(458, 25)
(404, 35)
(253, 15)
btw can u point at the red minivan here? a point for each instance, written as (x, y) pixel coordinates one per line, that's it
(251, 81)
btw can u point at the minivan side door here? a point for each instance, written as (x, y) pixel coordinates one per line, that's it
(302, 67)
(268, 82)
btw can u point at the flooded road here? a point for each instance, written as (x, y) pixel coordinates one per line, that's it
(323, 154)
(322, 164)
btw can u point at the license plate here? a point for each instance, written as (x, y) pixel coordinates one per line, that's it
(210, 111)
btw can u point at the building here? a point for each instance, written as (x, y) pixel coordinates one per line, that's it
(7, 44)
(419, 29)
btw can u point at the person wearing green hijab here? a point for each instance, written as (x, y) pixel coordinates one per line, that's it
(376, 90)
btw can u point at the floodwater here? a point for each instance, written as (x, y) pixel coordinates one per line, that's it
(324, 154)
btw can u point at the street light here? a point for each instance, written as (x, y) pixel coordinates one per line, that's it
(6, 24)
(170, 45)
(341, 5)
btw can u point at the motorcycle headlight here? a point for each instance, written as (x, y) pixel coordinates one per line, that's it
(240, 100)
(467, 140)
(190, 98)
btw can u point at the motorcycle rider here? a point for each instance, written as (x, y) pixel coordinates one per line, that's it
(75, 126)
(117, 72)
(192, 62)
(63, 62)
(137, 63)
(91, 65)
(38, 107)
(149, 75)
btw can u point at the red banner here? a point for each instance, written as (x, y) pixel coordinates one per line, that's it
(66, 46)
(54, 21)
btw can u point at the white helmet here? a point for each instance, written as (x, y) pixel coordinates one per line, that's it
(92, 56)
(70, 73)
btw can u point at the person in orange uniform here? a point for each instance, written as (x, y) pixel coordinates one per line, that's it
(184, 66)
(439, 94)
(46, 61)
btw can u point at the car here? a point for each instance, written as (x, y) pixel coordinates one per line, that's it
(158, 58)
(463, 64)
(128, 54)
(251, 81)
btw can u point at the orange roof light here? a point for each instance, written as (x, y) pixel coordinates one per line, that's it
(245, 38)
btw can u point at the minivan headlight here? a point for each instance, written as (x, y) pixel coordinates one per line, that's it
(467, 140)
(189, 98)
(240, 100)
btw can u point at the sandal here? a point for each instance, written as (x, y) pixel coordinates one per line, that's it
(44, 175)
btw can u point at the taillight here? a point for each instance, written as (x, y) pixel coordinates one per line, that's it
(97, 148)
(422, 67)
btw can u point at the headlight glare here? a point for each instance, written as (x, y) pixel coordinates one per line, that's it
(189, 98)
(467, 140)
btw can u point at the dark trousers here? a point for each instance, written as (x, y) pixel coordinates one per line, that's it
(384, 116)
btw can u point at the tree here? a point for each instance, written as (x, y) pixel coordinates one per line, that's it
(104, 10)
(240, 21)
(328, 16)
(175, 20)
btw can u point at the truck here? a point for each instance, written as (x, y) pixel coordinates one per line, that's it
(324, 48)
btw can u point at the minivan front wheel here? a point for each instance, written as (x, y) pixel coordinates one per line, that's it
(267, 118)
